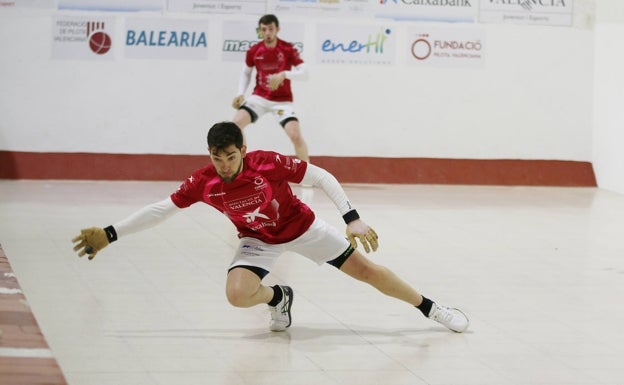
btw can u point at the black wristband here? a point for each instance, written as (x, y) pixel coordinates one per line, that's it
(111, 234)
(351, 216)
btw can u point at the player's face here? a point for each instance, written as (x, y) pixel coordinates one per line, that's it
(269, 33)
(228, 162)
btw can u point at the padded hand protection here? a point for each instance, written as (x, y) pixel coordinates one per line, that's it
(367, 236)
(276, 80)
(90, 241)
(238, 101)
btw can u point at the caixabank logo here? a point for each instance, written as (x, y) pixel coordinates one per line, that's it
(427, 10)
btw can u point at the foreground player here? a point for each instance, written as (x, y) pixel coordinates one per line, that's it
(252, 190)
(276, 63)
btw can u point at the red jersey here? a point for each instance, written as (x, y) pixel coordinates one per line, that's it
(259, 201)
(270, 61)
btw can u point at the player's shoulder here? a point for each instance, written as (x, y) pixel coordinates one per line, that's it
(290, 50)
(270, 161)
(260, 155)
(263, 159)
(285, 44)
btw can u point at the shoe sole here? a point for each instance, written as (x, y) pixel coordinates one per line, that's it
(291, 295)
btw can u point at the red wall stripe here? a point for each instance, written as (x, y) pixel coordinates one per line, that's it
(91, 166)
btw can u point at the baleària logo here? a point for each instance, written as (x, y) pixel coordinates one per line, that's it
(99, 41)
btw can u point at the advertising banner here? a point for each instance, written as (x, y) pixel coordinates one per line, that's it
(158, 38)
(337, 8)
(542, 12)
(355, 44)
(238, 36)
(42, 4)
(446, 46)
(112, 5)
(464, 11)
(83, 37)
(252, 7)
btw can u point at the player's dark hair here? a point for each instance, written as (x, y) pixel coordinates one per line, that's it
(224, 134)
(268, 19)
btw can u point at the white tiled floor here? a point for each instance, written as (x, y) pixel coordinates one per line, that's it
(539, 271)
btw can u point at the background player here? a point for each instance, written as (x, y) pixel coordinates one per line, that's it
(276, 63)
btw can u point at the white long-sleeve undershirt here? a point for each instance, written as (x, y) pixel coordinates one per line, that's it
(319, 177)
(148, 216)
(298, 72)
(244, 79)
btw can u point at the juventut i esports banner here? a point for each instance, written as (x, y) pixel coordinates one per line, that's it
(239, 36)
(335, 8)
(355, 44)
(541, 12)
(158, 38)
(83, 37)
(252, 7)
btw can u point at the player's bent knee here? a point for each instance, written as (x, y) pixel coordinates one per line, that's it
(236, 296)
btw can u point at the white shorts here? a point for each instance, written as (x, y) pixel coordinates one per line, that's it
(258, 106)
(320, 243)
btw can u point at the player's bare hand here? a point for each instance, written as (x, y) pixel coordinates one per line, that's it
(276, 80)
(238, 102)
(367, 236)
(90, 241)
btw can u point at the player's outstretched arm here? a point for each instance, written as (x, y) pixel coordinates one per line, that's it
(93, 239)
(356, 228)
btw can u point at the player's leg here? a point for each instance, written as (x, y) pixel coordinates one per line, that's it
(383, 279)
(322, 241)
(380, 277)
(293, 130)
(249, 112)
(287, 118)
(242, 118)
(244, 286)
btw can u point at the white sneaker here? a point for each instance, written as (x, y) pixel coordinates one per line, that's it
(450, 317)
(280, 314)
